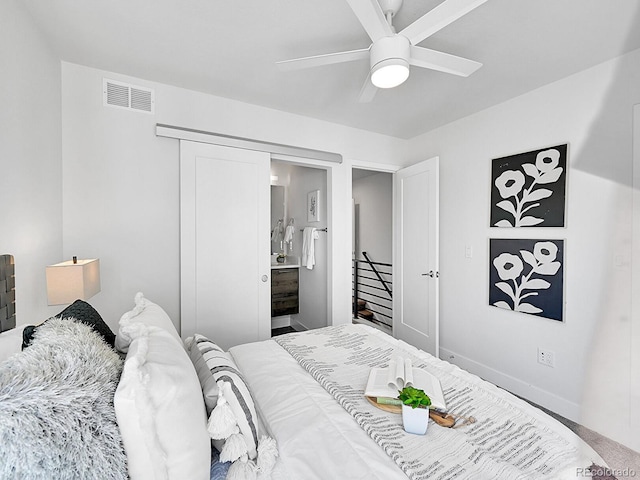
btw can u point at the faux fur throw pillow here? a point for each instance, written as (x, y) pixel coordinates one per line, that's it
(80, 311)
(56, 407)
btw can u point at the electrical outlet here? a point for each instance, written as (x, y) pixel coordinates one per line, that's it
(546, 357)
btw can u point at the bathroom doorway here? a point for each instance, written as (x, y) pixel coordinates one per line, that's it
(300, 268)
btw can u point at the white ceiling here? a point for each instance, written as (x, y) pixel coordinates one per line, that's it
(229, 48)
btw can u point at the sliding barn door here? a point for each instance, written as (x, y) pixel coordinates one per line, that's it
(225, 262)
(416, 274)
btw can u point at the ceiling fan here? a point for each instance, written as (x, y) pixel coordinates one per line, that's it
(391, 53)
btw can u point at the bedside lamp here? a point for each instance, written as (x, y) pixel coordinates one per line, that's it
(72, 280)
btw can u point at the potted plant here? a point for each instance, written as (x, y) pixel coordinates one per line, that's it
(415, 410)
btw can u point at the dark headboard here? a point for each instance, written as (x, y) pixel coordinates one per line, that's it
(7, 293)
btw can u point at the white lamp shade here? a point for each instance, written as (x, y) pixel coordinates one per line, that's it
(68, 281)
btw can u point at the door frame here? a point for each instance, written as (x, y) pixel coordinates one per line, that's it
(332, 199)
(296, 155)
(378, 168)
(392, 169)
(332, 236)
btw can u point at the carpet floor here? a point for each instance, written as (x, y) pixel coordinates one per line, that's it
(281, 331)
(617, 456)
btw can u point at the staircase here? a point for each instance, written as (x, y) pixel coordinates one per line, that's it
(372, 297)
(362, 310)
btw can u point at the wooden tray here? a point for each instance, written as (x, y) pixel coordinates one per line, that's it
(442, 419)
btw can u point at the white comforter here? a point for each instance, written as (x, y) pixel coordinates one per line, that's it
(318, 439)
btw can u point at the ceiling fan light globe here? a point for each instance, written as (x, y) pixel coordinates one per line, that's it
(390, 73)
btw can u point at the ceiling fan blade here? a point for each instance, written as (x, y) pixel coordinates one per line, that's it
(443, 62)
(326, 59)
(438, 18)
(368, 91)
(371, 17)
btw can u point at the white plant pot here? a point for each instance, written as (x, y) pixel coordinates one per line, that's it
(415, 420)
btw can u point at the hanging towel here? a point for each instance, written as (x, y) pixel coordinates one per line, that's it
(288, 235)
(276, 233)
(309, 236)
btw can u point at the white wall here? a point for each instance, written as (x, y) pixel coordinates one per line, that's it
(121, 183)
(30, 159)
(374, 195)
(312, 283)
(592, 111)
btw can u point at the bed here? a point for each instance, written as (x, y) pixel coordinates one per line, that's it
(79, 401)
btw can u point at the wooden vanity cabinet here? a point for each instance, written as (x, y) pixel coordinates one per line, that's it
(284, 291)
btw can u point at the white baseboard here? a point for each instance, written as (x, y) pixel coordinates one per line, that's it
(534, 394)
(282, 321)
(297, 326)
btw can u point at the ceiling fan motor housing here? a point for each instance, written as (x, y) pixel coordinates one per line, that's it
(393, 52)
(390, 6)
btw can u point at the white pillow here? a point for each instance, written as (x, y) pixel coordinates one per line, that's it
(160, 409)
(208, 358)
(146, 313)
(213, 364)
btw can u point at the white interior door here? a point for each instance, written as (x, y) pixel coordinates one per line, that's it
(416, 271)
(225, 262)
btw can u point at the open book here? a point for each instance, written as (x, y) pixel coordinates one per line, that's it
(386, 382)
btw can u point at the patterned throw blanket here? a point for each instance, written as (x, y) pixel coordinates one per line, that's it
(507, 442)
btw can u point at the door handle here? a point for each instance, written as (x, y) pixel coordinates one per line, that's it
(431, 274)
(264, 278)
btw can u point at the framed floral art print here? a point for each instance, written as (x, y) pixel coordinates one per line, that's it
(313, 206)
(527, 276)
(528, 189)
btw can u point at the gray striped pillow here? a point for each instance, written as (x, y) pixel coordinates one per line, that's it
(213, 364)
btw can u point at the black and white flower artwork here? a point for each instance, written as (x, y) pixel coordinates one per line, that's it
(527, 276)
(528, 189)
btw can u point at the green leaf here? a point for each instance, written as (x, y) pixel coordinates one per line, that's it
(414, 397)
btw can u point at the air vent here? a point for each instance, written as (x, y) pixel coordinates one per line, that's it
(124, 95)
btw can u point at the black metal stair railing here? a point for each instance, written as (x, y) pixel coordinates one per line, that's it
(372, 295)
